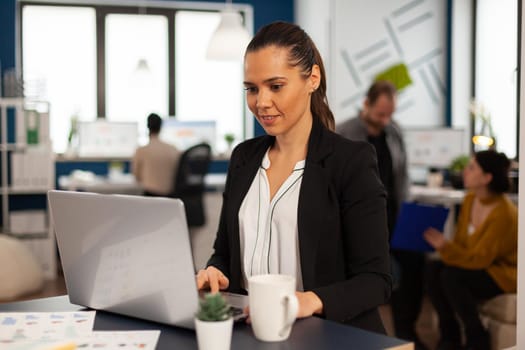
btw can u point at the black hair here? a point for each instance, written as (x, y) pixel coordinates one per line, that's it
(497, 164)
(378, 88)
(154, 123)
(303, 54)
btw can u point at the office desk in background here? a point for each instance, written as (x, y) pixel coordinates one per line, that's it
(122, 184)
(436, 195)
(443, 195)
(125, 184)
(311, 333)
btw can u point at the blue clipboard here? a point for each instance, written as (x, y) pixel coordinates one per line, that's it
(412, 221)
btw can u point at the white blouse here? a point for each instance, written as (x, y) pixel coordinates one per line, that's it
(268, 229)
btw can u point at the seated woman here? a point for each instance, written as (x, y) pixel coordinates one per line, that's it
(481, 260)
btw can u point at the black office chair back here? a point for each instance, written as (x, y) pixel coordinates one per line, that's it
(189, 182)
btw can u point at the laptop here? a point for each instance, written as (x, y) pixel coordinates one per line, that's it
(129, 255)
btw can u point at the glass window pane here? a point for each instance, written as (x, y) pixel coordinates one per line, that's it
(206, 90)
(496, 66)
(136, 68)
(59, 63)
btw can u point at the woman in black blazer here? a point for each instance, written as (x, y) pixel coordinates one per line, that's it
(340, 225)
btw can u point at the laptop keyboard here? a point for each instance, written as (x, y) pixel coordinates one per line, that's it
(237, 314)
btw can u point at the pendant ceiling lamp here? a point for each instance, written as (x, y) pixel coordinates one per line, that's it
(230, 39)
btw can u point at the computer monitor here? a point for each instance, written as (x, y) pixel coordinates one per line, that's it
(184, 134)
(434, 147)
(102, 138)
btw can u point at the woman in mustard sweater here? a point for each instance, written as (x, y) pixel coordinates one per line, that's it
(481, 260)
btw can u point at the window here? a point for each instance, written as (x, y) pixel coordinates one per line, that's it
(136, 68)
(124, 62)
(496, 67)
(60, 65)
(208, 90)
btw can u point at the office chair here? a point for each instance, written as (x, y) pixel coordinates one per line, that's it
(189, 182)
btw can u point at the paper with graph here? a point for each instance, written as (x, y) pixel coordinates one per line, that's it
(67, 330)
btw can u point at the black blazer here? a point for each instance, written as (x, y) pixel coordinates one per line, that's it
(342, 225)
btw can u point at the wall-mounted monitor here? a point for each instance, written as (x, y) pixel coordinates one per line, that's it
(431, 147)
(102, 138)
(184, 134)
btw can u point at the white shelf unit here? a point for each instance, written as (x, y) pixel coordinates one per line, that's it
(39, 160)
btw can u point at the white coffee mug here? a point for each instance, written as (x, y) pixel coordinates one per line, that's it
(273, 306)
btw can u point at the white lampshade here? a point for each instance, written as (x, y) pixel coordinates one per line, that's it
(142, 65)
(230, 39)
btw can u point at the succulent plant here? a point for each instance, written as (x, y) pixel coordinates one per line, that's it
(213, 307)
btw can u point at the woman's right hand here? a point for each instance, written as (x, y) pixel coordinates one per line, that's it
(435, 238)
(212, 278)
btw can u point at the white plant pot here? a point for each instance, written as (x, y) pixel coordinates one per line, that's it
(214, 335)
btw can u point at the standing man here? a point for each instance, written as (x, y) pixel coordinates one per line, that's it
(154, 165)
(375, 125)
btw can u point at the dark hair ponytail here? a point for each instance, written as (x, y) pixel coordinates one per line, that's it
(303, 54)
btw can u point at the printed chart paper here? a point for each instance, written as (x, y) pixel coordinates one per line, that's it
(67, 330)
(99, 340)
(18, 326)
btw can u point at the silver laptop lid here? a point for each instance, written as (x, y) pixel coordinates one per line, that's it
(126, 254)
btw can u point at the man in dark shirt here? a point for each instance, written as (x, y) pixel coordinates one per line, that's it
(384, 162)
(375, 125)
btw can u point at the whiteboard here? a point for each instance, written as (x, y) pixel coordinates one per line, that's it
(435, 147)
(369, 36)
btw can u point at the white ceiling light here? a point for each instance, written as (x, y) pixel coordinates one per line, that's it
(142, 65)
(230, 39)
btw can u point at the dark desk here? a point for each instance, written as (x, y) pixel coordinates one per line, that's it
(310, 333)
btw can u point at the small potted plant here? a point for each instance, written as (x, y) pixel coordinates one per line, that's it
(229, 138)
(214, 323)
(455, 170)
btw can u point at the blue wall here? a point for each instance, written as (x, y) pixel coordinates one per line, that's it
(7, 33)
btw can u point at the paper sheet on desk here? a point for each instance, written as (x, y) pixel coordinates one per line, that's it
(18, 326)
(58, 330)
(107, 340)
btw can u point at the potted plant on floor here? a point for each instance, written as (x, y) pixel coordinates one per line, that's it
(214, 323)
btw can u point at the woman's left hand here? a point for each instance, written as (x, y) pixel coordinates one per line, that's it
(309, 304)
(435, 238)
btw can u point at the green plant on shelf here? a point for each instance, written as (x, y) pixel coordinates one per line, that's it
(459, 163)
(229, 138)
